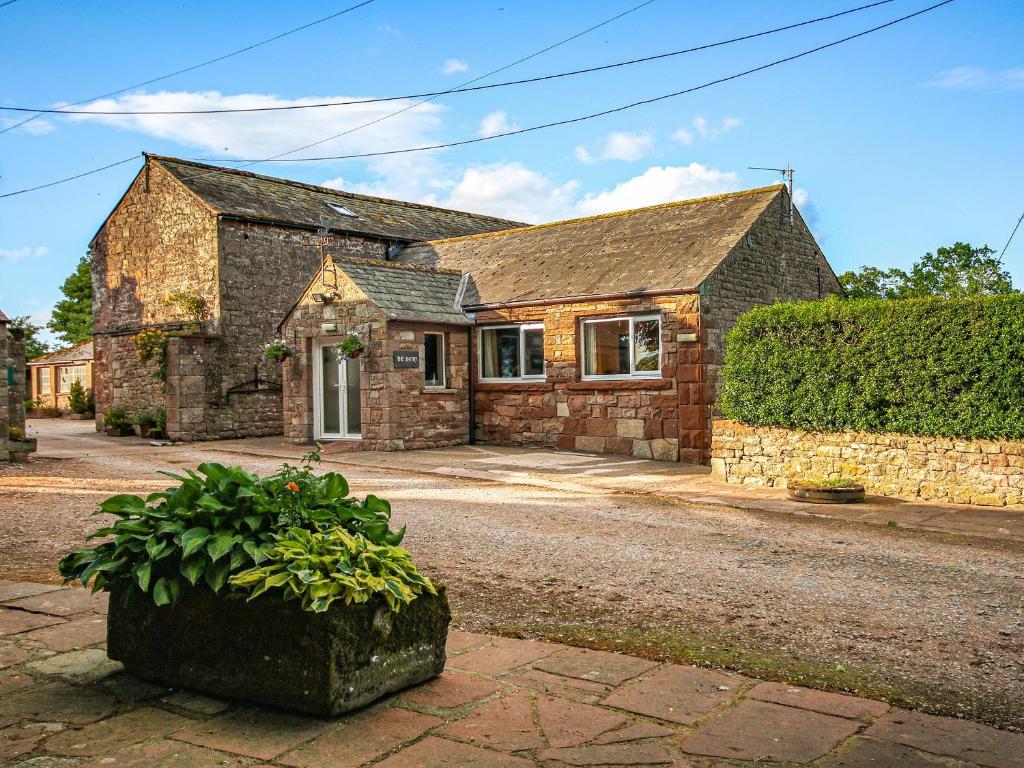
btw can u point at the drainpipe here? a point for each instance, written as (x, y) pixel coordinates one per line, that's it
(469, 377)
(701, 397)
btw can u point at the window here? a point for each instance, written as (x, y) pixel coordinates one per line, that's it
(338, 208)
(433, 360)
(622, 347)
(512, 352)
(68, 375)
(43, 381)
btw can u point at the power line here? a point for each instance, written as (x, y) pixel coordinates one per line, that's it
(9, 2)
(70, 178)
(602, 113)
(582, 118)
(1015, 228)
(196, 66)
(453, 91)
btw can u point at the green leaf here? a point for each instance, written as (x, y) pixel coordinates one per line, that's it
(192, 569)
(155, 548)
(216, 574)
(213, 504)
(335, 485)
(123, 504)
(239, 557)
(142, 572)
(219, 545)
(193, 540)
(162, 591)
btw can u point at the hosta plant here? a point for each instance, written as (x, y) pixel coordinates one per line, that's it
(217, 522)
(319, 567)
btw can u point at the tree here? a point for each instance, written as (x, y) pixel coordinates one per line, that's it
(72, 316)
(954, 271)
(34, 346)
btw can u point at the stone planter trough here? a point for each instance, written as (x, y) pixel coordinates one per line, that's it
(119, 431)
(86, 416)
(42, 413)
(271, 652)
(20, 449)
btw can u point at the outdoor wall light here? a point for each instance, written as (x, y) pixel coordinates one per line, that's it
(324, 298)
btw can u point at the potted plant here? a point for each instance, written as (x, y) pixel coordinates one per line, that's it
(838, 490)
(34, 409)
(351, 347)
(80, 402)
(280, 590)
(145, 422)
(117, 423)
(19, 445)
(276, 351)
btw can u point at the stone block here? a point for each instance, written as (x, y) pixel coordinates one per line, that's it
(269, 651)
(590, 444)
(630, 428)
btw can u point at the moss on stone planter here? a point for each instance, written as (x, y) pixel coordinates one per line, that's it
(269, 651)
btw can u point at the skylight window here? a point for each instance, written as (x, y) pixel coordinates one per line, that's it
(337, 208)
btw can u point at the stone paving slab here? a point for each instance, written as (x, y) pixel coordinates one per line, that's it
(502, 703)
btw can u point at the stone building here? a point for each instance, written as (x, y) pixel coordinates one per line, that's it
(51, 375)
(208, 261)
(603, 334)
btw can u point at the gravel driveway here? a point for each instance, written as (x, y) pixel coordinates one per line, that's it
(921, 619)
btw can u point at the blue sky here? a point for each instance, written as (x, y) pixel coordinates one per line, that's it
(902, 141)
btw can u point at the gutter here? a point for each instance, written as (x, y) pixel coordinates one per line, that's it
(590, 297)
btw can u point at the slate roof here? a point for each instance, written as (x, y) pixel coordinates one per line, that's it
(3, 317)
(76, 354)
(664, 247)
(251, 196)
(408, 292)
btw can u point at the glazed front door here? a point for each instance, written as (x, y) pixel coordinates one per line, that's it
(336, 407)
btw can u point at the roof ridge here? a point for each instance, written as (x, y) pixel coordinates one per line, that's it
(323, 189)
(52, 353)
(610, 215)
(395, 265)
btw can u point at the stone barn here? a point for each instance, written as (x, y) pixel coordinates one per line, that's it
(602, 334)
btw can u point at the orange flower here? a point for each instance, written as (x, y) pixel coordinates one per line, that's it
(293, 487)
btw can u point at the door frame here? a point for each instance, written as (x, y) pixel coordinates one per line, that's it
(318, 394)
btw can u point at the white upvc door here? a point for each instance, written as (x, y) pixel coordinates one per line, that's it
(336, 407)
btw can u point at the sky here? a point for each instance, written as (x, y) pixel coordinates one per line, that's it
(902, 141)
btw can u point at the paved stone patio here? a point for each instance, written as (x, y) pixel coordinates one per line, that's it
(501, 703)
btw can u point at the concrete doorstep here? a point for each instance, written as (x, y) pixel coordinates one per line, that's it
(501, 703)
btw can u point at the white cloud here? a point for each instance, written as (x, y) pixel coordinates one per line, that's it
(979, 79)
(453, 66)
(37, 127)
(618, 145)
(10, 256)
(243, 135)
(683, 136)
(706, 130)
(495, 123)
(513, 191)
(660, 184)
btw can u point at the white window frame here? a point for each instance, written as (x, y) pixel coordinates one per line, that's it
(73, 373)
(444, 360)
(522, 327)
(39, 381)
(633, 373)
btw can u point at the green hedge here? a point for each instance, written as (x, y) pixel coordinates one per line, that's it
(952, 367)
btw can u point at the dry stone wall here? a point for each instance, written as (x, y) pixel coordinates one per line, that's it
(984, 472)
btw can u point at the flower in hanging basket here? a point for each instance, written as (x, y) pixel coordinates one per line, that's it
(276, 351)
(351, 347)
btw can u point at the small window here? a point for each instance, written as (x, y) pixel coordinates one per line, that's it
(512, 352)
(68, 375)
(622, 347)
(338, 208)
(433, 360)
(43, 381)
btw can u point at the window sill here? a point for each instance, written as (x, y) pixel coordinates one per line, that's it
(440, 391)
(621, 384)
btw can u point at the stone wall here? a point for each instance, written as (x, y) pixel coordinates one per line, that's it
(6, 359)
(986, 472)
(160, 239)
(773, 262)
(659, 418)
